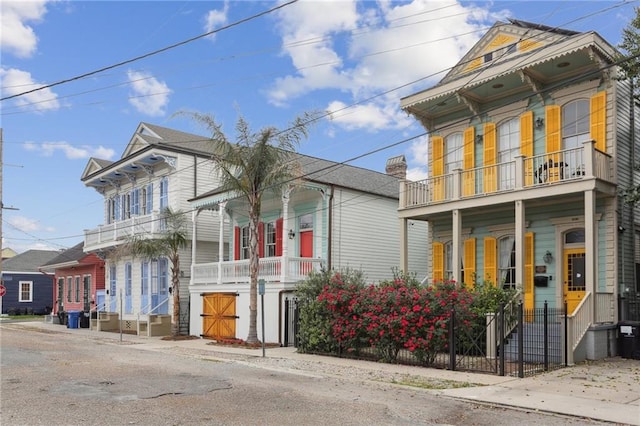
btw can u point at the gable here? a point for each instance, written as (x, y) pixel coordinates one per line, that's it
(138, 140)
(505, 41)
(94, 165)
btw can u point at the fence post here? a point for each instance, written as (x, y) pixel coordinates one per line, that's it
(296, 321)
(502, 338)
(546, 337)
(285, 341)
(566, 337)
(520, 340)
(452, 340)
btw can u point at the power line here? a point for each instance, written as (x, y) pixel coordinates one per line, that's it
(153, 53)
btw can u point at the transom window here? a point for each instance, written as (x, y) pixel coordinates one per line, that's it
(306, 221)
(453, 152)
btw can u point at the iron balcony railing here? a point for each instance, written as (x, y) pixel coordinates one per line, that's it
(522, 173)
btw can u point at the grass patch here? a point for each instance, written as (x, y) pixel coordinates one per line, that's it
(422, 383)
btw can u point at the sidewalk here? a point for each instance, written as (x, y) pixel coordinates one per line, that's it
(606, 390)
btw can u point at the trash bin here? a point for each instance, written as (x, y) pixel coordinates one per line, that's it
(629, 339)
(84, 319)
(74, 316)
(62, 318)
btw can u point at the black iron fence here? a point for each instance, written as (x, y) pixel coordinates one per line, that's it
(514, 342)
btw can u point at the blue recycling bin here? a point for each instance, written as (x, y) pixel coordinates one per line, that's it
(74, 317)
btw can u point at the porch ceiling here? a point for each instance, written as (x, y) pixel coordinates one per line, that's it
(119, 172)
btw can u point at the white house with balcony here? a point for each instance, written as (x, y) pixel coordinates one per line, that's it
(531, 143)
(338, 217)
(160, 168)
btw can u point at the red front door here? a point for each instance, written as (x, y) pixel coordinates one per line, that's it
(306, 250)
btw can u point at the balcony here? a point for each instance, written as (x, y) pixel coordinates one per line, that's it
(271, 269)
(114, 233)
(549, 170)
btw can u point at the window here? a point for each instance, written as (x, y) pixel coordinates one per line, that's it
(126, 206)
(116, 208)
(244, 242)
(77, 289)
(508, 149)
(69, 289)
(507, 261)
(148, 206)
(163, 275)
(127, 280)
(112, 282)
(85, 293)
(164, 193)
(144, 278)
(26, 291)
(306, 221)
(448, 261)
(270, 239)
(135, 202)
(453, 153)
(575, 124)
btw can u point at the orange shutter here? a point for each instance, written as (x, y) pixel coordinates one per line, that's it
(469, 271)
(526, 145)
(529, 268)
(438, 262)
(598, 120)
(553, 142)
(490, 260)
(468, 162)
(437, 159)
(489, 156)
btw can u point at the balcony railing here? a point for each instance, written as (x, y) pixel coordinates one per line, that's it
(270, 269)
(117, 231)
(522, 173)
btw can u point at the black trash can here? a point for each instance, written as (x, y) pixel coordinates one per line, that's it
(63, 318)
(84, 319)
(629, 339)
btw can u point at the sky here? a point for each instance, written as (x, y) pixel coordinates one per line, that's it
(77, 77)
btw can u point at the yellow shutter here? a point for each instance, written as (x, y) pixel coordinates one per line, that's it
(438, 261)
(526, 145)
(529, 267)
(598, 121)
(553, 142)
(469, 262)
(491, 260)
(468, 162)
(489, 157)
(437, 159)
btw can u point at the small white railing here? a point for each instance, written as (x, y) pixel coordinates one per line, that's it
(145, 312)
(116, 231)
(578, 324)
(96, 309)
(270, 269)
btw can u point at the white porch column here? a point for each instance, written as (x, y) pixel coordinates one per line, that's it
(221, 209)
(404, 250)
(194, 218)
(590, 246)
(284, 260)
(519, 237)
(456, 227)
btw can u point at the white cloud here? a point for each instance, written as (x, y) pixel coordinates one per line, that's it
(48, 149)
(13, 82)
(149, 95)
(216, 18)
(369, 116)
(418, 159)
(25, 224)
(19, 38)
(364, 49)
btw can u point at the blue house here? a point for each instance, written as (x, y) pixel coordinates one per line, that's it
(29, 291)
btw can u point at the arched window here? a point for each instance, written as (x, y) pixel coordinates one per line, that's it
(575, 124)
(508, 149)
(453, 152)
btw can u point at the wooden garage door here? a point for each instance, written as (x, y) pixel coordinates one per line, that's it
(219, 315)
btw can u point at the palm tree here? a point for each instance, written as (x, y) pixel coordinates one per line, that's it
(172, 238)
(256, 163)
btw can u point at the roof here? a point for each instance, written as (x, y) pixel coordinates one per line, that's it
(68, 257)
(329, 173)
(29, 261)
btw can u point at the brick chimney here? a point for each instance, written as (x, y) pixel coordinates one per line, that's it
(397, 166)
